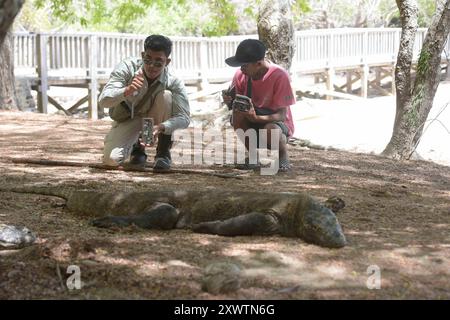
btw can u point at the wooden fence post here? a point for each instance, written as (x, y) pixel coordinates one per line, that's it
(364, 80)
(204, 64)
(349, 84)
(42, 71)
(365, 67)
(93, 84)
(330, 68)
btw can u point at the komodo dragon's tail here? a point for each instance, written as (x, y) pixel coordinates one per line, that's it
(56, 191)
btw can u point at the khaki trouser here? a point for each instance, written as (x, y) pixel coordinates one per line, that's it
(120, 139)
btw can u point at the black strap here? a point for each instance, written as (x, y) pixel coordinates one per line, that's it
(144, 99)
(249, 87)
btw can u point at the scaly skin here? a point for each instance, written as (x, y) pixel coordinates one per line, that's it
(227, 213)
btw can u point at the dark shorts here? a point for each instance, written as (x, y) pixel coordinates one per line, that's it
(257, 126)
(281, 124)
(264, 112)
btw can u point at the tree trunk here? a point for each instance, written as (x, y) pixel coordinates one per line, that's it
(276, 31)
(8, 99)
(414, 105)
(8, 11)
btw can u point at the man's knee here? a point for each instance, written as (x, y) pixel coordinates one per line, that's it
(163, 100)
(167, 96)
(274, 130)
(273, 136)
(162, 107)
(272, 126)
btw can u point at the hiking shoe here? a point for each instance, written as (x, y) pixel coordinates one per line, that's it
(284, 166)
(138, 156)
(162, 158)
(162, 163)
(138, 160)
(247, 165)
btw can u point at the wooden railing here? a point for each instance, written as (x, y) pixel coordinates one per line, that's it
(87, 58)
(318, 49)
(203, 58)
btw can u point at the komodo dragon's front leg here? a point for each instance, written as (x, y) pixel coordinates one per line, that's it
(160, 216)
(164, 216)
(254, 223)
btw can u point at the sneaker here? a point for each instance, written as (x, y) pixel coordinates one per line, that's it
(162, 163)
(284, 166)
(247, 165)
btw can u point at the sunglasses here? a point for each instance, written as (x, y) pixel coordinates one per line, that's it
(156, 64)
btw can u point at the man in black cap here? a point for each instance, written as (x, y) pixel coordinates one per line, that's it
(269, 88)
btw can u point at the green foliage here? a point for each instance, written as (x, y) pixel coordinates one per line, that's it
(426, 11)
(200, 17)
(251, 9)
(86, 14)
(126, 12)
(424, 63)
(425, 14)
(299, 8)
(60, 8)
(223, 20)
(423, 66)
(412, 115)
(181, 17)
(390, 14)
(31, 18)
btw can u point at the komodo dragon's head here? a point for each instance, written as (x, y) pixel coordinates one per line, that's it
(319, 225)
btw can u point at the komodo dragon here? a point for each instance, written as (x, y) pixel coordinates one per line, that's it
(226, 213)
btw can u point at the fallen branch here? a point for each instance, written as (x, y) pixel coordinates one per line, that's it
(101, 166)
(58, 273)
(309, 144)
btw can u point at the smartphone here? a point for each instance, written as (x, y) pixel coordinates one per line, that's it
(147, 131)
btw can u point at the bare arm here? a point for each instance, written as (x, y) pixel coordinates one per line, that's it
(251, 115)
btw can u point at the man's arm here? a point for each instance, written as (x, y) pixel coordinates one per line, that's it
(280, 115)
(180, 108)
(114, 91)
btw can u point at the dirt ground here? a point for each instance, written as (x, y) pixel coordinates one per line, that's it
(397, 219)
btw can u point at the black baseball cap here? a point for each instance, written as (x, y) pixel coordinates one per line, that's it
(248, 51)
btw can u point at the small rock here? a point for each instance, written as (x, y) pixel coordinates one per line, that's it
(13, 273)
(221, 277)
(12, 237)
(90, 263)
(290, 289)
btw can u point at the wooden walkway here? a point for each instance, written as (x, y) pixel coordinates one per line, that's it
(363, 56)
